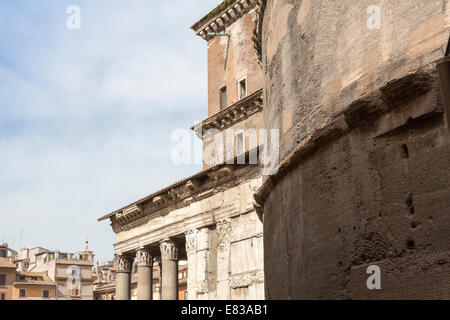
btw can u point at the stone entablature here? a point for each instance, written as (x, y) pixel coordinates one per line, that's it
(210, 206)
(224, 15)
(231, 115)
(179, 194)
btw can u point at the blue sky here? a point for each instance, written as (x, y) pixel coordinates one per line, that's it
(86, 116)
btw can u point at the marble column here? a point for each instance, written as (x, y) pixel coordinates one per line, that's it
(169, 272)
(145, 274)
(123, 266)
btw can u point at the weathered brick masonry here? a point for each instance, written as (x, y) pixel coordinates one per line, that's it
(365, 157)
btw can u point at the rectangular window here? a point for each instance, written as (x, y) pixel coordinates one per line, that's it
(22, 293)
(2, 280)
(223, 98)
(242, 88)
(3, 254)
(3, 296)
(46, 294)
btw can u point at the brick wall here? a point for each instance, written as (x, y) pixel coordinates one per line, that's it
(230, 59)
(369, 183)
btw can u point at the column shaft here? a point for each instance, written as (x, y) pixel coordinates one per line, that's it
(123, 266)
(169, 272)
(145, 275)
(123, 290)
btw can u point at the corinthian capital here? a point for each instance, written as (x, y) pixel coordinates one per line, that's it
(123, 263)
(144, 258)
(168, 250)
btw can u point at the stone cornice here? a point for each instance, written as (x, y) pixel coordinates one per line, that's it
(134, 210)
(232, 115)
(212, 186)
(172, 196)
(194, 188)
(222, 16)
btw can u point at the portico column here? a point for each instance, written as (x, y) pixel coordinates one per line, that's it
(145, 274)
(169, 272)
(123, 266)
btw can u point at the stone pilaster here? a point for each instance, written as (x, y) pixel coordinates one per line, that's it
(145, 274)
(169, 272)
(123, 265)
(202, 258)
(223, 259)
(191, 252)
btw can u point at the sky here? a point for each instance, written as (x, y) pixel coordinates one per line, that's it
(86, 115)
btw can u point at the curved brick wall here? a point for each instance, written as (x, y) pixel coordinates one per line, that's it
(364, 148)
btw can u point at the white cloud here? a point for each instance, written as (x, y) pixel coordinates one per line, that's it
(86, 116)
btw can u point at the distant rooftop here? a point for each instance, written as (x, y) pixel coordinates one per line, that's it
(32, 278)
(6, 263)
